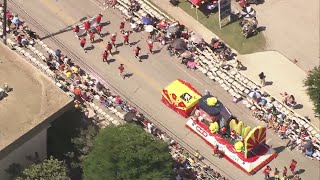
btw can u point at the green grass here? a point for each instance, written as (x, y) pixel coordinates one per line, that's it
(231, 33)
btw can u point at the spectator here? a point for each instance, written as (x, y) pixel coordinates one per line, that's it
(262, 78)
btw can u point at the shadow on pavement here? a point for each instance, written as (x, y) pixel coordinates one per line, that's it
(279, 149)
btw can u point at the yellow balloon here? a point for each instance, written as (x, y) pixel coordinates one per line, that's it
(238, 146)
(212, 101)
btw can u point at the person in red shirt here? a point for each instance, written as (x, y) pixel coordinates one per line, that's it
(122, 25)
(109, 47)
(284, 172)
(137, 52)
(121, 71)
(276, 174)
(86, 25)
(113, 38)
(91, 36)
(266, 172)
(98, 29)
(105, 56)
(150, 45)
(76, 30)
(83, 43)
(126, 38)
(98, 18)
(292, 166)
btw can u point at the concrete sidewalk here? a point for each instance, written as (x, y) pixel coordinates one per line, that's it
(281, 71)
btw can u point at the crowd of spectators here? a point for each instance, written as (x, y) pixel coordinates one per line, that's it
(286, 126)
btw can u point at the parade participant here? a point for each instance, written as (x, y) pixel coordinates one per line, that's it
(276, 174)
(105, 56)
(113, 38)
(98, 18)
(284, 172)
(91, 36)
(292, 166)
(216, 150)
(86, 26)
(266, 172)
(233, 134)
(121, 71)
(126, 38)
(150, 45)
(122, 25)
(109, 47)
(76, 30)
(98, 29)
(137, 52)
(83, 43)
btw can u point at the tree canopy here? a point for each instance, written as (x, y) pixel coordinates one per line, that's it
(312, 83)
(49, 169)
(127, 152)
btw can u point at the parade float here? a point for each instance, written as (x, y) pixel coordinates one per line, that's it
(243, 146)
(181, 97)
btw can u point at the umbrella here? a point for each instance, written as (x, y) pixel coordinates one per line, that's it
(255, 95)
(173, 29)
(149, 28)
(179, 44)
(186, 54)
(307, 144)
(248, 12)
(146, 20)
(130, 116)
(195, 2)
(196, 39)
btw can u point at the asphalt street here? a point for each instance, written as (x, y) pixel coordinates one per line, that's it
(52, 19)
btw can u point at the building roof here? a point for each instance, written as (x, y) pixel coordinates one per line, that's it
(34, 100)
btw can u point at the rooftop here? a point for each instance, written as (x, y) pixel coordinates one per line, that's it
(34, 100)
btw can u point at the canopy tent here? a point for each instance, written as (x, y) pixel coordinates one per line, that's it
(149, 28)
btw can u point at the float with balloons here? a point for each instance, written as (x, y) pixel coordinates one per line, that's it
(242, 145)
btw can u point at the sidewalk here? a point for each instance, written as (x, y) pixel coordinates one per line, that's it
(281, 71)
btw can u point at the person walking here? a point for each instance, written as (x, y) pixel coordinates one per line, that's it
(109, 47)
(113, 38)
(98, 29)
(276, 174)
(126, 38)
(105, 56)
(266, 172)
(137, 53)
(83, 43)
(76, 30)
(91, 36)
(292, 166)
(262, 78)
(284, 172)
(86, 26)
(98, 18)
(121, 26)
(121, 71)
(150, 45)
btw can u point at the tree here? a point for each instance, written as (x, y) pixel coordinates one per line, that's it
(312, 82)
(49, 169)
(127, 152)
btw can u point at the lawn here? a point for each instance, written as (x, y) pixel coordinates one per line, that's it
(231, 33)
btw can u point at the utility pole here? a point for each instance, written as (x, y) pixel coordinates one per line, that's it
(4, 34)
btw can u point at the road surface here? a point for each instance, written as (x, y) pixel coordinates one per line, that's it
(148, 77)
